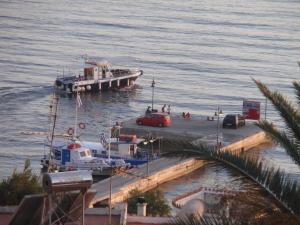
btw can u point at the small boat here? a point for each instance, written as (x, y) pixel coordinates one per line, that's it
(124, 147)
(98, 76)
(74, 156)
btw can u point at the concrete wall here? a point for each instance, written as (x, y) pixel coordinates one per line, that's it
(248, 142)
(176, 169)
(160, 177)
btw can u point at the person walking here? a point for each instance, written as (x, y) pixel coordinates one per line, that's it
(169, 109)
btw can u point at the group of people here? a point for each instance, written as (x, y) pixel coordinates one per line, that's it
(163, 109)
(186, 115)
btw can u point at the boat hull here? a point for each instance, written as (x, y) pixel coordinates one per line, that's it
(131, 161)
(73, 84)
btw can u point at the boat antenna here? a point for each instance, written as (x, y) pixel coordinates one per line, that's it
(53, 108)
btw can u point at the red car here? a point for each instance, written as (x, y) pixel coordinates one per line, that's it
(155, 119)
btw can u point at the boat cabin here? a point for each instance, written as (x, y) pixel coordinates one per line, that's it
(72, 153)
(96, 71)
(124, 146)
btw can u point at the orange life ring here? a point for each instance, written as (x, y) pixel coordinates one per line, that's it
(70, 131)
(81, 125)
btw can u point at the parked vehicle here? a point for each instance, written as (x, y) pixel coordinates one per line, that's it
(155, 119)
(233, 121)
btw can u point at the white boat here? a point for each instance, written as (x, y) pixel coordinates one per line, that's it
(75, 156)
(98, 76)
(124, 147)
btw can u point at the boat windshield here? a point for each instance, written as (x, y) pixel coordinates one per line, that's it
(88, 152)
(85, 153)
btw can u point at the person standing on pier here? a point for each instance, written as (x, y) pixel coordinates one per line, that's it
(169, 109)
(163, 108)
(148, 111)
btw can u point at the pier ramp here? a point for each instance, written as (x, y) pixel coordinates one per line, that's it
(160, 171)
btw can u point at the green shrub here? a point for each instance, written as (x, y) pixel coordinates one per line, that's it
(156, 202)
(19, 184)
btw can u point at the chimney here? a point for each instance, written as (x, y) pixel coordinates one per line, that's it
(141, 207)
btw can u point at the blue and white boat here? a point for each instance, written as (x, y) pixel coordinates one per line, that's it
(124, 147)
(75, 156)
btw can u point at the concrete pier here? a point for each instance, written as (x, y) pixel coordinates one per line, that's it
(162, 170)
(197, 129)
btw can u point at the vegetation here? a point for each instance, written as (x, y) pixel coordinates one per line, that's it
(288, 137)
(195, 220)
(213, 220)
(19, 184)
(156, 202)
(276, 182)
(286, 192)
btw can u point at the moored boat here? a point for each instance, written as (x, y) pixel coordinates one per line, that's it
(123, 147)
(74, 156)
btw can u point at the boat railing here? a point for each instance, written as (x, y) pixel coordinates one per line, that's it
(121, 72)
(64, 78)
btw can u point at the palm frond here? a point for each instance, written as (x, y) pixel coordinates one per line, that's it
(297, 90)
(185, 149)
(285, 108)
(211, 220)
(276, 182)
(188, 153)
(176, 144)
(291, 146)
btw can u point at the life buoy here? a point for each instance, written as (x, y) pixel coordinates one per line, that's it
(70, 131)
(81, 125)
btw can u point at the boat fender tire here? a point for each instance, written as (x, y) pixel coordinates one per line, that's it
(70, 131)
(81, 125)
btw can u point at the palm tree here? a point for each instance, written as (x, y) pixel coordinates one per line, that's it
(277, 183)
(274, 181)
(192, 220)
(288, 137)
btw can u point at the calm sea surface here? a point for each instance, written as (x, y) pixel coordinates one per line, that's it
(202, 54)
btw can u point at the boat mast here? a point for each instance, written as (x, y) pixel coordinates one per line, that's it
(78, 105)
(109, 138)
(53, 107)
(76, 114)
